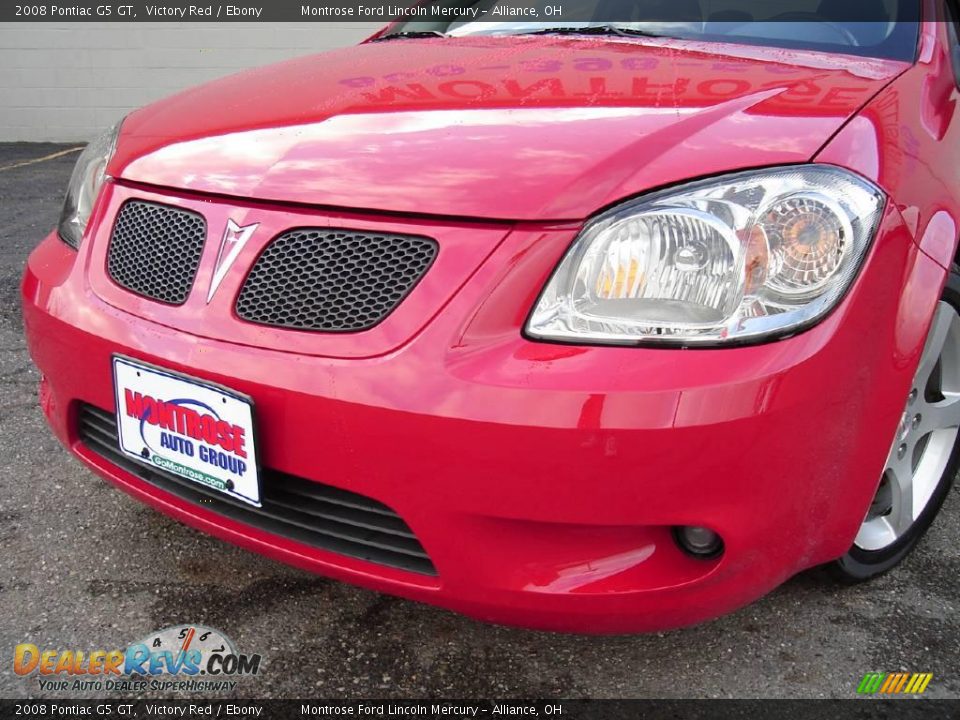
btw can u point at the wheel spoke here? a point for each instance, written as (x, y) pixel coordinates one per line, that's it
(939, 415)
(937, 338)
(900, 473)
(933, 461)
(876, 533)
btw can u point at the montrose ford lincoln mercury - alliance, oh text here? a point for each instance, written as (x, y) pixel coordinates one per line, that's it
(605, 325)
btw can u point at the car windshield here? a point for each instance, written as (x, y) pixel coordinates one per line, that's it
(872, 28)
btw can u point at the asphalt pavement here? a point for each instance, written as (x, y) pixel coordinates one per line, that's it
(86, 567)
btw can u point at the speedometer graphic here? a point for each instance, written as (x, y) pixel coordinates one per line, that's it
(198, 643)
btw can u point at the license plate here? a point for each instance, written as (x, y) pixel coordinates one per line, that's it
(197, 430)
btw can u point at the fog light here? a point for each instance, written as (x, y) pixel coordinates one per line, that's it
(700, 542)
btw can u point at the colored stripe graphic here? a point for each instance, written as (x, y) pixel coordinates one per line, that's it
(894, 683)
(870, 684)
(925, 680)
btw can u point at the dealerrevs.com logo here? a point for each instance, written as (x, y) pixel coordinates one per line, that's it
(181, 657)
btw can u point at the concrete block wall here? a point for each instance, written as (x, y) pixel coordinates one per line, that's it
(64, 82)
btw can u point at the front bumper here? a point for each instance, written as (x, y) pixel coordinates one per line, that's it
(542, 480)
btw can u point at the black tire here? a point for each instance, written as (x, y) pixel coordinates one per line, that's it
(859, 565)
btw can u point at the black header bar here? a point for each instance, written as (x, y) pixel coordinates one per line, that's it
(547, 11)
(125, 709)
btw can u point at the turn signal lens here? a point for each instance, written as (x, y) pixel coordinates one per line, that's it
(808, 237)
(739, 258)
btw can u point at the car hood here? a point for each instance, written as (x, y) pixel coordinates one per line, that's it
(548, 128)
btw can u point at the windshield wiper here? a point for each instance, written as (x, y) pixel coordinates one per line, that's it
(597, 30)
(409, 35)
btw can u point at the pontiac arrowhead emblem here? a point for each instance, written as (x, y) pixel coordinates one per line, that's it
(232, 242)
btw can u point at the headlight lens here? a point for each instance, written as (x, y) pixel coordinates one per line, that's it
(85, 183)
(741, 258)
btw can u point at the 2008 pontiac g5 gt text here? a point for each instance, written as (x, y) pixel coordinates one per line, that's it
(599, 326)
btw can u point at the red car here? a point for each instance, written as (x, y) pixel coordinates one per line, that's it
(598, 326)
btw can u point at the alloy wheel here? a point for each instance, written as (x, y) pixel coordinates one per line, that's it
(924, 441)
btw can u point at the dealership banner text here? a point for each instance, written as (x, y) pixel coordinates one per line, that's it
(548, 11)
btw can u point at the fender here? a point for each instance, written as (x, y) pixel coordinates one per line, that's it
(887, 139)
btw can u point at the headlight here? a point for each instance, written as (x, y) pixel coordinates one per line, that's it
(740, 258)
(85, 183)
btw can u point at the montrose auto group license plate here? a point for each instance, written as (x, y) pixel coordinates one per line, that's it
(193, 429)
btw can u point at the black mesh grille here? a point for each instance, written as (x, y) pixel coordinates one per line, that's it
(333, 280)
(309, 512)
(155, 250)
